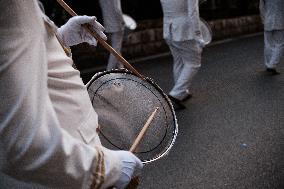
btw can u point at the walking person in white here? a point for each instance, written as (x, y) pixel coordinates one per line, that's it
(182, 34)
(114, 27)
(272, 13)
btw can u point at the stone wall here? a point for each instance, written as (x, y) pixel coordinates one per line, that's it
(148, 40)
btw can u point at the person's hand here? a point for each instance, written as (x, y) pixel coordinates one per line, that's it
(72, 32)
(130, 163)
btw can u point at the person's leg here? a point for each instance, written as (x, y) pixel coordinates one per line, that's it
(116, 43)
(267, 48)
(274, 47)
(177, 68)
(177, 61)
(190, 52)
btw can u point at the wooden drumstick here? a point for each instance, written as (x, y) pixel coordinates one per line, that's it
(143, 131)
(102, 42)
(133, 184)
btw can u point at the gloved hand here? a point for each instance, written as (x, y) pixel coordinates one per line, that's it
(72, 32)
(130, 163)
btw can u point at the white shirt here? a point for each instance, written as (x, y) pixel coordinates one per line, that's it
(34, 147)
(181, 20)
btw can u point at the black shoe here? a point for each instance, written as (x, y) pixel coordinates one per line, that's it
(272, 71)
(189, 96)
(177, 104)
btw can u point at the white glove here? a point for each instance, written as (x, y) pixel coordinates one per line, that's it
(72, 32)
(130, 163)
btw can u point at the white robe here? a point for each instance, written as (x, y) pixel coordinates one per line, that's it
(34, 146)
(181, 24)
(181, 20)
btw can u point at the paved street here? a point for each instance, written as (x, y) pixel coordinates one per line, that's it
(231, 136)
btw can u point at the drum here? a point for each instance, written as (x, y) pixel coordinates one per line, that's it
(124, 103)
(130, 25)
(201, 2)
(206, 32)
(129, 22)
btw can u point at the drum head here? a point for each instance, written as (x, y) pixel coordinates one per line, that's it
(129, 22)
(206, 32)
(123, 103)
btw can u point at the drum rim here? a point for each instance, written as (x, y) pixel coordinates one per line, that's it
(132, 20)
(200, 2)
(151, 81)
(209, 29)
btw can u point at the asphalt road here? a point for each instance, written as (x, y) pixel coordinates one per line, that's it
(231, 136)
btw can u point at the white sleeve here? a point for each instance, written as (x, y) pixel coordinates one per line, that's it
(36, 149)
(193, 14)
(262, 9)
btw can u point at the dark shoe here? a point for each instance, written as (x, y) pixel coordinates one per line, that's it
(189, 96)
(272, 71)
(177, 104)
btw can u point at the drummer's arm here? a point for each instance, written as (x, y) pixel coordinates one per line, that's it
(193, 15)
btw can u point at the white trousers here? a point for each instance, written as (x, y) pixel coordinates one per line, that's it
(116, 43)
(187, 61)
(273, 47)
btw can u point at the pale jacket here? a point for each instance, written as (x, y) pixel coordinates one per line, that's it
(69, 95)
(272, 13)
(181, 20)
(34, 147)
(112, 15)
